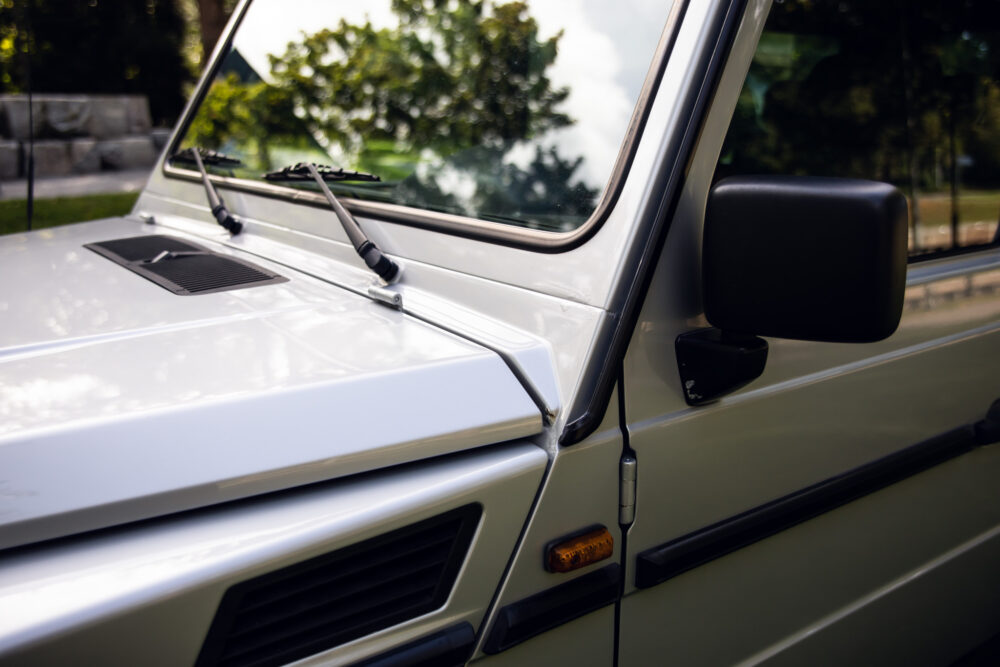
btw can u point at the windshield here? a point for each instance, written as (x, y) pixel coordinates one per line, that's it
(511, 112)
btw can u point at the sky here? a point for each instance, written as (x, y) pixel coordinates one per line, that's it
(604, 54)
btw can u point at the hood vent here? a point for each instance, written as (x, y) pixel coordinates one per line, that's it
(315, 605)
(183, 267)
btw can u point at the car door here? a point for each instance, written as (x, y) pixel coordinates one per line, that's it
(841, 508)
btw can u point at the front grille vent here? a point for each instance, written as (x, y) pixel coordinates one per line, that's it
(183, 267)
(329, 600)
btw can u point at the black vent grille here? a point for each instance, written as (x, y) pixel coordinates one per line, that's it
(327, 601)
(183, 267)
(138, 248)
(205, 273)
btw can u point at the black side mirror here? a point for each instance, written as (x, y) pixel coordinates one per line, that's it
(807, 258)
(820, 259)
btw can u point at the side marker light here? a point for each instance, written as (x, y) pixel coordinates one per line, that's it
(579, 550)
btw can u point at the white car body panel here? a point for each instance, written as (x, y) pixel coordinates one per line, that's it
(528, 326)
(166, 577)
(195, 401)
(852, 584)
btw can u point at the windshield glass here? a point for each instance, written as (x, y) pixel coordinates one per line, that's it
(511, 112)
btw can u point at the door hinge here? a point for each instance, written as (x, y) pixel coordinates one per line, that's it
(626, 500)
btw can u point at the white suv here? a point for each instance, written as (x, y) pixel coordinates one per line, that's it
(564, 332)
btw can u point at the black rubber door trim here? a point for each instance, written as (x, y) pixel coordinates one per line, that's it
(663, 562)
(551, 608)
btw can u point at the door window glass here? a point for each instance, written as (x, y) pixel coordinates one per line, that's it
(905, 92)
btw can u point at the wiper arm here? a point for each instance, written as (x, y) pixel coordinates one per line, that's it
(386, 269)
(199, 156)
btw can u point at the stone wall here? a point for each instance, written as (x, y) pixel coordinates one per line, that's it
(77, 134)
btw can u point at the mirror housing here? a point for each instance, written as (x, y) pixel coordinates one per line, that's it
(821, 259)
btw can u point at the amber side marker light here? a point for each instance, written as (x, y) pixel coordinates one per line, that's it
(579, 550)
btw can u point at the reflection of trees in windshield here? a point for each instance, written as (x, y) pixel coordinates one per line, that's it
(453, 85)
(445, 78)
(249, 119)
(541, 194)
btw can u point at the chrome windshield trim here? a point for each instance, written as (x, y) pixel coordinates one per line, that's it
(504, 233)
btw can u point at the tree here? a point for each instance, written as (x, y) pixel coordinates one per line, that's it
(821, 108)
(252, 114)
(212, 15)
(461, 81)
(97, 47)
(451, 75)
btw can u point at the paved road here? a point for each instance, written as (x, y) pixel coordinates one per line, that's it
(72, 186)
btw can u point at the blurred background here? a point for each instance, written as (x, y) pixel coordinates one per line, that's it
(109, 79)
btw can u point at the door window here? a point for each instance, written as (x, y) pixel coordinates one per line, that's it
(902, 92)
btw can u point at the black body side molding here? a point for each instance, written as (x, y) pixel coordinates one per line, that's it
(546, 610)
(660, 563)
(450, 647)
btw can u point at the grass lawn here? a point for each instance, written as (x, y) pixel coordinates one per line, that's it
(973, 206)
(63, 210)
(978, 212)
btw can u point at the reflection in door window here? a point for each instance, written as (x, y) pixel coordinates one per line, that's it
(906, 92)
(505, 111)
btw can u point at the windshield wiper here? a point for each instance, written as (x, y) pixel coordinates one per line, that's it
(300, 172)
(386, 269)
(199, 156)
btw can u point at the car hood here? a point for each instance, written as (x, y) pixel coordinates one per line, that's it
(121, 401)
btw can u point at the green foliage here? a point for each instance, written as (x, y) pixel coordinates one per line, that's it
(96, 46)
(249, 115)
(983, 139)
(443, 95)
(450, 76)
(443, 80)
(887, 90)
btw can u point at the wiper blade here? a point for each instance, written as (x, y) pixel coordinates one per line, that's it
(301, 172)
(199, 156)
(386, 269)
(207, 156)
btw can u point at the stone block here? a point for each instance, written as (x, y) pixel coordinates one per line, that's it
(139, 120)
(127, 152)
(160, 135)
(109, 117)
(85, 156)
(14, 112)
(52, 158)
(10, 160)
(68, 116)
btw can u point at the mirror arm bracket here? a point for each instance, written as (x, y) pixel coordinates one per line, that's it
(713, 363)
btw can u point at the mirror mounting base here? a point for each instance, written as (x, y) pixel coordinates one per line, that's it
(713, 363)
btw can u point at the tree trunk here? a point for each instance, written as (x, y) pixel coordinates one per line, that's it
(213, 18)
(953, 154)
(913, 165)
